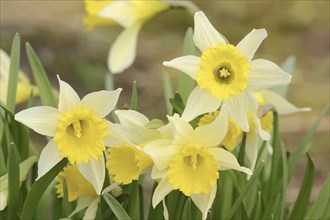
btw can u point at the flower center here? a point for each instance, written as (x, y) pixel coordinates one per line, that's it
(223, 71)
(193, 170)
(80, 134)
(77, 185)
(126, 163)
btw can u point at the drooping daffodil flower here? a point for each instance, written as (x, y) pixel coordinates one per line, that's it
(128, 139)
(131, 15)
(80, 189)
(24, 86)
(226, 74)
(191, 161)
(24, 168)
(78, 128)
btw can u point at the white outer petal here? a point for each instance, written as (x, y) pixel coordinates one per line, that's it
(238, 107)
(131, 118)
(281, 104)
(251, 42)
(41, 119)
(227, 160)
(123, 50)
(161, 191)
(265, 74)
(161, 152)
(251, 148)
(102, 102)
(117, 136)
(49, 157)
(165, 212)
(94, 172)
(212, 134)
(199, 102)
(157, 174)
(204, 201)
(82, 203)
(187, 64)
(262, 133)
(92, 209)
(183, 132)
(68, 98)
(205, 35)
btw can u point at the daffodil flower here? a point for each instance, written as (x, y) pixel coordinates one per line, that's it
(80, 189)
(225, 73)
(127, 143)
(24, 168)
(78, 128)
(24, 87)
(131, 15)
(190, 162)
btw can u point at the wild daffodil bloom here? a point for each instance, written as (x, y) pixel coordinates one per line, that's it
(80, 189)
(225, 73)
(78, 128)
(131, 15)
(24, 168)
(24, 87)
(191, 161)
(127, 159)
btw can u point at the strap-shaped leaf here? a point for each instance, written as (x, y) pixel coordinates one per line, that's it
(115, 207)
(301, 204)
(13, 181)
(38, 189)
(40, 76)
(13, 72)
(134, 97)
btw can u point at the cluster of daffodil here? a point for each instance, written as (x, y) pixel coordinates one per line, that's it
(231, 100)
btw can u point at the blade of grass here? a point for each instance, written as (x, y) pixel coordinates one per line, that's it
(13, 72)
(134, 97)
(301, 204)
(116, 208)
(244, 191)
(303, 146)
(168, 91)
(320, 204)
(40, 76)
(13, 181)
(186, 212)
(38, 189)
(241, 152)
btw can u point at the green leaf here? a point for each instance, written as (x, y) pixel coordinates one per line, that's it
(109, 82)
(301, 204)
(321, 202)
(177, 104)
(275, 156)
(223, 199)
(116, 208)
(134, 98)
(134, 207)
(288, 66)
(244, 191)
(186, 83)
(186, 212)
(40, 76)
(168, 91)
(285, 180)
(38, 189)
(256, 212)
(241, 153)
(303, 144)
(13, 181)
(13, 73)
(65, 202)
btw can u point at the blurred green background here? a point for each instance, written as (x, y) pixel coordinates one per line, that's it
(299, 28)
